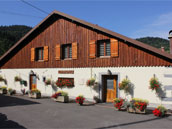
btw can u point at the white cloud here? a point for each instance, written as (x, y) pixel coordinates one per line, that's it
(157, 28)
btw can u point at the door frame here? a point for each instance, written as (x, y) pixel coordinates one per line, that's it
(101, 84)
(30, 86)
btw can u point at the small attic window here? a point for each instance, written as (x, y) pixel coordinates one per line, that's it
(39, 53)
(103, 48)
(67, 51)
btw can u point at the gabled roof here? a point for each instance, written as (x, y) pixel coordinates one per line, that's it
(95, 27)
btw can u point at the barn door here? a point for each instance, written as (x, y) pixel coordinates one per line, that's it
(110, 87)
(33, 82)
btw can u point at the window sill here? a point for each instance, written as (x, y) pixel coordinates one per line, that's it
(40, 60)
(68, 59)
(104, 56)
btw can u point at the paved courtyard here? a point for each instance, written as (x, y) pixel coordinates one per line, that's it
(23, 112)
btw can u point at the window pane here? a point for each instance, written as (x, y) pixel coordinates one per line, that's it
(108, 49)
(65, 52)
(42, 54)
(33, 79)
(39, 53)
(101, 49)
(110, 84)
(70, 51)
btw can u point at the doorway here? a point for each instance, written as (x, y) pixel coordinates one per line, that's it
(33, 83)
(109, 88)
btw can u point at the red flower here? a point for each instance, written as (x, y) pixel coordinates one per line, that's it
(56, 95)
(119, 104)
(80, 99)
(157, 112)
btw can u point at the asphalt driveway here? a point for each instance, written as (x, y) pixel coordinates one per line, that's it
(23, 112)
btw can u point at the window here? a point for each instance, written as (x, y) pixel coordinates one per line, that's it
(39, 53)
(103, 48)
(66, 51)
(69, 82)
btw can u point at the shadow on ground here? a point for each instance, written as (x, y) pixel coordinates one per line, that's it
(5, 123)
(131, 123)
(14, 101)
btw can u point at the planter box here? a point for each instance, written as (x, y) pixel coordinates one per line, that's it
(63, 99)
(3, 91)
(35, 95)
(8, 93)
(135, 110)
(11, 93)
(122, 109)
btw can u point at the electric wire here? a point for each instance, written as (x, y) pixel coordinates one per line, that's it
(19, 14)
(34, 7)
(42, 12)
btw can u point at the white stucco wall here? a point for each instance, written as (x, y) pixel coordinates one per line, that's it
(139, 76)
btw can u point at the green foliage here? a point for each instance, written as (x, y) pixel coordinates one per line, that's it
(156, 42)
(90, 82)
(154, 84)
(9, 35)
(3, 88)
(162, 109)
(125, 85)
(63, 93)
(36, 91)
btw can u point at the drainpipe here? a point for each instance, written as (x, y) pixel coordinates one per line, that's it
(170, 38)
(91, 71)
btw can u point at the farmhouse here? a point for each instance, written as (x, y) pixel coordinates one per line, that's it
(63, 48)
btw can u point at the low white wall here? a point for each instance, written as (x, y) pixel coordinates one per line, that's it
(139, 76)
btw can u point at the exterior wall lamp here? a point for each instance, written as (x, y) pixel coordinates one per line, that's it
(109, 72)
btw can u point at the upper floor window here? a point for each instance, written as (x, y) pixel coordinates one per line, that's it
(67, 51)
(39, 53)
(103, 48)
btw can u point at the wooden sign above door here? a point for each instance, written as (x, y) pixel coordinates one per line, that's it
(66, 72)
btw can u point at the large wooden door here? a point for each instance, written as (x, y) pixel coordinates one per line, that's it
(110, 87)
(32, 82)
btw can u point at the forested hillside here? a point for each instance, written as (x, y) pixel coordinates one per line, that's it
(156, 42)
(9, 35)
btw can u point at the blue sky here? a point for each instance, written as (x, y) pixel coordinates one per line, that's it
(132, 18)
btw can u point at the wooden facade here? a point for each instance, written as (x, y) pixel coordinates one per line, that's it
(56, 31)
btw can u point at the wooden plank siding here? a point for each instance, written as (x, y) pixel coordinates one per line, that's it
(63, 31)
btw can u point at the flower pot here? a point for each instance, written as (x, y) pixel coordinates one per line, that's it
(63, 99)
(3, 91)
(80, 103)
(35, 95)
(121, 109)
(135, 110)
(9, 93)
